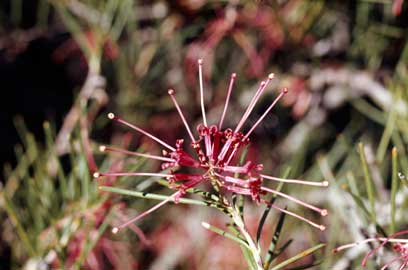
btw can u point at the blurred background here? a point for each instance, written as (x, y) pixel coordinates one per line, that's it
(65, 64)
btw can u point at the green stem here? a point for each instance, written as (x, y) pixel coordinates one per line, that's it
(255, 252)
(94, 63)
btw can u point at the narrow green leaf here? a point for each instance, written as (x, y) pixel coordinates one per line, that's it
(134, 168)
(124, 14)
(49, 139)
(207, 196)
(146, 195)
(401, 68)
(238, 199)
(84, 175)
(225, 234)
(145, 183)
(389, 128)
(21, 129)
(91, 242)
(306, 266)
(299, 256)
(394, 186)
(72, 179)
(270, 256)
(402, 157)
(282, 249)
(109, 11)
(369, 184)
(352, 184)
(21, 232)
(369, 111)
(360, 203)
(71, 23)
(268, 207)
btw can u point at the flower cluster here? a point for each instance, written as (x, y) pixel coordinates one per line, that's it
(215, 154)
(400, 246)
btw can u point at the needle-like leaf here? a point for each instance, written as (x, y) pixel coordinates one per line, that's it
(299, 256)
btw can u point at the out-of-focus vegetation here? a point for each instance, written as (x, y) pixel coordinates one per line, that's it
(345, 120)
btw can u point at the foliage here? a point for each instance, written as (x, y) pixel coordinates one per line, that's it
(344, 120)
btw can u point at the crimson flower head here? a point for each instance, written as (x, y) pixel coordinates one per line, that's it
(213, 155)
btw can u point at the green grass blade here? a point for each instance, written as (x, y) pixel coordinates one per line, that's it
(394, 186)
(352, 184)
(369, 184)
(91, 242)
(402, 157)
(369, 111)
(124, 14)
(360, 203)
(21, 232)
(72, 24)
(389, 128)
(49, 139)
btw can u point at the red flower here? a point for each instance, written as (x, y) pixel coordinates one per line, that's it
(397, 7)
(215, 151)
